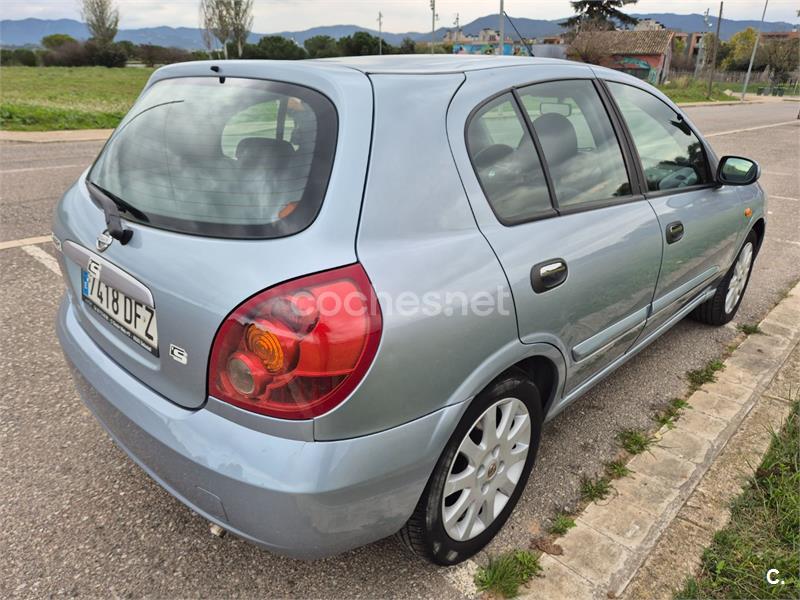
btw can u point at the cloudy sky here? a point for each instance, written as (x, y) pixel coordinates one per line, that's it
(399, 15)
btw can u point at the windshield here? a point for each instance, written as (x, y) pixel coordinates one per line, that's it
(223, 157)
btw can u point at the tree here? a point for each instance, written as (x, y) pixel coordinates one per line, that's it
(588, 47)
(782, 56)
(240, 13)
(740, 48)
(274, 47)
(56, 40)
(361, 43)
(408, 46)
(602, 14)
(322, 46)
(102, 19)
(128, 47)
(215, 20)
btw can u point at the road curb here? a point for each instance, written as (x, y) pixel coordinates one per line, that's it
(647, 538)
(49, 137)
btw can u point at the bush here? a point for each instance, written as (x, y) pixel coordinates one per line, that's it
(69, 54)
(21, 57)
(76, 54)
(105, 55)
(152, 55)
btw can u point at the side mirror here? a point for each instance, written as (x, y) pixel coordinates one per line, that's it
(735, 170)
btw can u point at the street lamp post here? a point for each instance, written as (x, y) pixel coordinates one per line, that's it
(755, 47)
(380, 33)
(500, 48)
(433, 24)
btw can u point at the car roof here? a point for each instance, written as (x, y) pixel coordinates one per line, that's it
(432, 64)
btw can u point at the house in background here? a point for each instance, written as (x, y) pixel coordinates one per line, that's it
(644, 54)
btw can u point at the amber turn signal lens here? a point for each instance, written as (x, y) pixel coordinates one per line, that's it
(748, 211)
(266, 346)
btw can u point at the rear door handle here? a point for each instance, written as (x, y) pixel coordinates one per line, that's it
(674, 232)
(548, 275)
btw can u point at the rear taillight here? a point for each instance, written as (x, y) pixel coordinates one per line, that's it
(298, 349)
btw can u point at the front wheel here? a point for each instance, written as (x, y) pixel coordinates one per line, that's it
(480, 475)
(722, 306)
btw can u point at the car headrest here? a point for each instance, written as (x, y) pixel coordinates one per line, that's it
(557, 136)
(254, 149)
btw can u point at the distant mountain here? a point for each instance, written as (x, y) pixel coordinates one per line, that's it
(695, 22)
(29, 32)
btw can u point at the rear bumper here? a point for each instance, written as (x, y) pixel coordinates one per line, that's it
(297, 498)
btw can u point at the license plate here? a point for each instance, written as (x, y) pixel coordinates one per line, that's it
(132, 318)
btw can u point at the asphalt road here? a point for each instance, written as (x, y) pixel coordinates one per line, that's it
(79, 518)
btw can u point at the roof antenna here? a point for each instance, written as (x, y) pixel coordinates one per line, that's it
(521, 39)
(215, 68)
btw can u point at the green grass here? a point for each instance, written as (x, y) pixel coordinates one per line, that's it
(505, 574)
(685, 89)
(617, 469)
(561, 524)
(707, 374)
(763, 533)
(749, 328)
(669, 415)
(634, 441)
(49, 98)
(595, 489)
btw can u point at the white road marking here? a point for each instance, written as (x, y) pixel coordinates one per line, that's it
(29, 169)
(769, 196)
(751, 128)
(43, 257)
(25, 242)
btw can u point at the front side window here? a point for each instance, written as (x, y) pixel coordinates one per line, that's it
(237, 158)
(506, 162)
(671, 154)
(578, 141)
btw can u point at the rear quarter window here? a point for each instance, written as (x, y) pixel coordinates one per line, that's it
(242, 159)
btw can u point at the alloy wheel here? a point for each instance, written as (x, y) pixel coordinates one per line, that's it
(486, 469)
(739, 278)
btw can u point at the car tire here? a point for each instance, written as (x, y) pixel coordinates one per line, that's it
(722, 306)
(491, 463)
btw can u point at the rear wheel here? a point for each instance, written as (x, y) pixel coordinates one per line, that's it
(722, 306)
(480, 475)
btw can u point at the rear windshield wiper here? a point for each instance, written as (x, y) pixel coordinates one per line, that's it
(111, 205)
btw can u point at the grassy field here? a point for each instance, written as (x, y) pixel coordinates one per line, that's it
(764, 530)
(49, 98)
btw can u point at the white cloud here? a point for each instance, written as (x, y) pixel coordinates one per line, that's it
(399, 15)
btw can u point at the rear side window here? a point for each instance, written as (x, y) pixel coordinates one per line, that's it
(242, 159)
(671, 154)
(506, 162)
(578, 141)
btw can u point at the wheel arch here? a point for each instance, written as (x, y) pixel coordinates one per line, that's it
(544, 373)
(760, 228)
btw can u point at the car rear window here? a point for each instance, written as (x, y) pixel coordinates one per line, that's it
(223, 157)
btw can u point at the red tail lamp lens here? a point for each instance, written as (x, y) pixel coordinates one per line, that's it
(298, 349)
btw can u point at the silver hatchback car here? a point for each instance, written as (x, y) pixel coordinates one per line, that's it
(324, 302)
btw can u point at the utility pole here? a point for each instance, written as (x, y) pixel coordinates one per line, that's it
(458, 28)
(500, 48)
(380, 33)
(755, 47)
(714, 55)
(434, 16)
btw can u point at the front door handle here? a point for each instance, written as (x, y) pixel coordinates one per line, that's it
(548, 274)
(674, 232)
